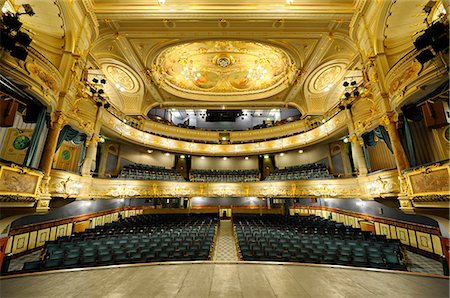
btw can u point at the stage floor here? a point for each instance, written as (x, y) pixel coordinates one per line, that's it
(215, 279)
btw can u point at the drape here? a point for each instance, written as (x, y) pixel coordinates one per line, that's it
(410, 151)
(382, 135)
(70, 134)
(35, 138)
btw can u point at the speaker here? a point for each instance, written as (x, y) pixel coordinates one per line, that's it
(8, 111)
(434, 114)
(423, 41)
(440, 44)
(425, 56)
(19, 52)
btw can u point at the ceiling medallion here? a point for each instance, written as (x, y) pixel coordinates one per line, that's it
(223, 60)
(223, 67)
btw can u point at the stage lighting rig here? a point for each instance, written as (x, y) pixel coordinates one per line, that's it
(14, 41)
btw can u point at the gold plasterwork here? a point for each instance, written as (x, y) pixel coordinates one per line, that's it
(88, 187)
(223, 67)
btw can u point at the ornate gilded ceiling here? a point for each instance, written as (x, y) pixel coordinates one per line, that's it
(231, 68)
(238, 54)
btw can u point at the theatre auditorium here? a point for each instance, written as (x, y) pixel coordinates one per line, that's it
(239, 148)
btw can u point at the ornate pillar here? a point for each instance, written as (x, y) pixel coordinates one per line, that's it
(103, 160)
(47, 159)
(401, 160)
(357, 152)
(91, 152)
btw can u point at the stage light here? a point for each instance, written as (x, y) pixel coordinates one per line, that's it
(345, 84)
(347, 94)
(425, 56)
(95, 80)
(353, 83)
(103, 81)
(23, 39)
(19, 52)
(440, 44)
(7, 41)
(12, 22)
(106, 105)
(28, 10)
(356, 93)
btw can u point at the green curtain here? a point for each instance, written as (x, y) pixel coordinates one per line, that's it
(35, 138)
(410, 151)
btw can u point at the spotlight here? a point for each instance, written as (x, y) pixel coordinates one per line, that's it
(347, 94)
(422, 41)
(7, 41)
(353, 83)
(440, 44)
(23, 39)
(425, 56)
(429, 6)
(107, 105)
(19, 53)
(103, 81)
(356, 93)
(98, 103)
(28, 10)
(345, 84)
(95, 80)
(100, 91)
(12, 22)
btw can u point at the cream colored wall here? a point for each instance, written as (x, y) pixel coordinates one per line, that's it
(309, 155)
(232, 163)
(140, 155)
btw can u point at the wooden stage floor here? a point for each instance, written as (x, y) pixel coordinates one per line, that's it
(217, 279)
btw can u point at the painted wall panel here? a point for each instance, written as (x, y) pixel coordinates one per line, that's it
(20, 243)
(437, 246)
(384, 230)
(69, 229)
(8, 247)
(402, 234)
(42, 237)
(424, 241)
(53, 233)
(412, 238)
(32, 240)
(393, 232)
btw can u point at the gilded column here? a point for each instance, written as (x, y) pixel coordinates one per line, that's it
(401, 160)
(91, 152)
(357, 152)
(47, 160)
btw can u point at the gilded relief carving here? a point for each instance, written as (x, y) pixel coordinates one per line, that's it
(43, 76)
(222, 66)
(18, 182)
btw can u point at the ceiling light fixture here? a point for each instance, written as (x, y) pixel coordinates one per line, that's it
(289, 2)
(225, 158)
(149, 151)
(161, 2)
(246, 158)
(202, 157)
(281, 154)
(300, 151)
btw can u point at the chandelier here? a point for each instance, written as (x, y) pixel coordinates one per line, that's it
(259, 71)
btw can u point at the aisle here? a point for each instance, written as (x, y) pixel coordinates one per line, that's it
(225, 246)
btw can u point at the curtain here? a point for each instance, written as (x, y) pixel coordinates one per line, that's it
(382, 135)
(35, 138)
(410, 151)
(70, 134)
(367, 157)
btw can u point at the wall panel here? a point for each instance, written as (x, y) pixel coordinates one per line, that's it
(32, 240)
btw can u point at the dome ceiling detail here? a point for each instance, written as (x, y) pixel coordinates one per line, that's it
(229, 68)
